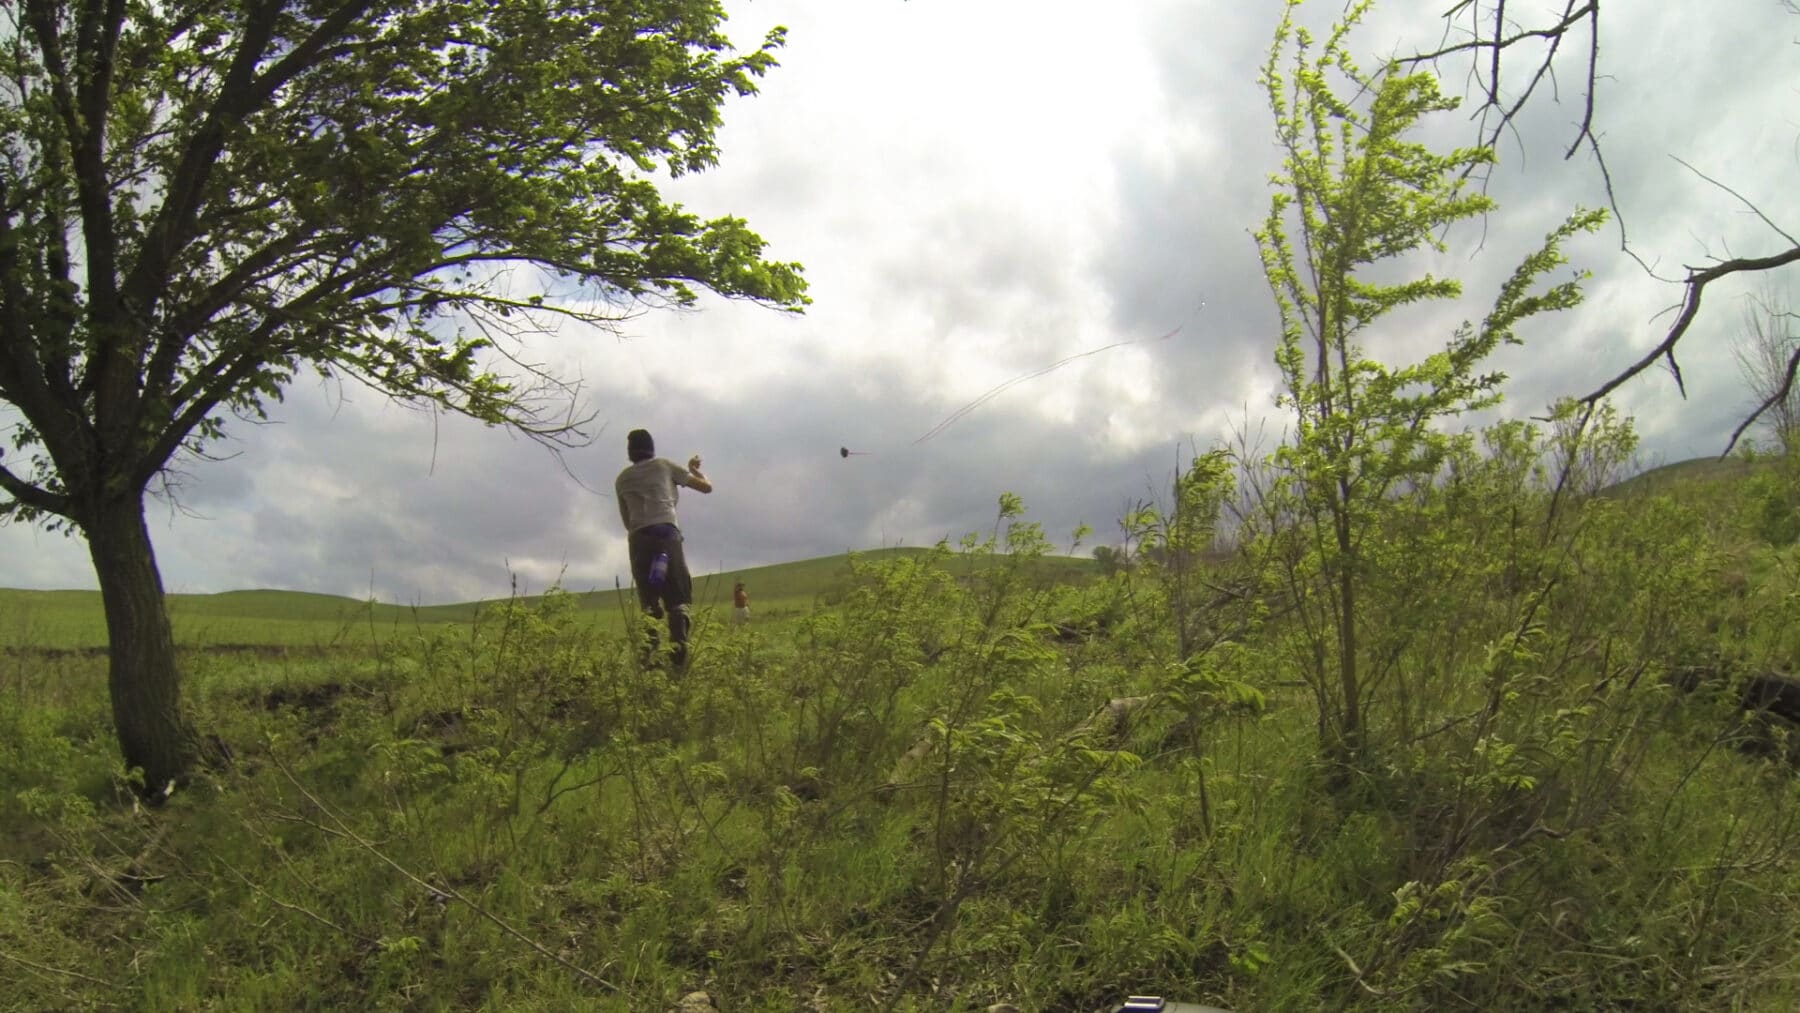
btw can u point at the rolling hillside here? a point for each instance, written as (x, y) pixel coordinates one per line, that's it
(73, 620)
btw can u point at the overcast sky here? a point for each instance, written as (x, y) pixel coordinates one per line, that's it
(978, 189)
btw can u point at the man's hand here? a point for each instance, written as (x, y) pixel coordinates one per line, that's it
(697, 481)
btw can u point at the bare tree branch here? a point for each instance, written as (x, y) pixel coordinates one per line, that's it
(1774, 399)
(1767, 349)
(1490, 36)
(1783, 233)
(1697, 281)
(1496, 40)
(46, 968)
(1593, 63)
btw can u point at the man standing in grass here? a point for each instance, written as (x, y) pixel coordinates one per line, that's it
(740, 604)
(647, 493)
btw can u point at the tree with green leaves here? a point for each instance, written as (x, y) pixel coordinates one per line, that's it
(1354, 193)
(201, 199)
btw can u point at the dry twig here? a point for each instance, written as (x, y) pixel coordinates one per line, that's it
(47, 969)
(440, 891)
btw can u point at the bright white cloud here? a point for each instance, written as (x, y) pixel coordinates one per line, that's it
(977, 190)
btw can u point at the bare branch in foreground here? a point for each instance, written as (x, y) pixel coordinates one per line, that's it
(1690, 307)
(47, 969)
(1775, 398)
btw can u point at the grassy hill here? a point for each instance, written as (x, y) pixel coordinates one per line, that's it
(1698, 472)
(73, 620)
(944, 804)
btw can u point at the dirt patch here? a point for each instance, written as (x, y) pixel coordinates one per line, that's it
(1774, 693)
(318, 700)
(1770, 701)
(317, 696)
(264, 651)
(444, 722)
(52, 653)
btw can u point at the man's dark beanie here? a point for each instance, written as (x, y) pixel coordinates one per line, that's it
(639, 446)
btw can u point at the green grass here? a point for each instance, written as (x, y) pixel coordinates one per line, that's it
(74, 620)
(500, 795)
(1697, 475)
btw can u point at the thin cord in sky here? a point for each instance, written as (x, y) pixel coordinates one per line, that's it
(957, 415)
(1034, 374)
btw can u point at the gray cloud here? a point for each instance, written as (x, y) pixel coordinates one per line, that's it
(1194, 217)
(978, 192)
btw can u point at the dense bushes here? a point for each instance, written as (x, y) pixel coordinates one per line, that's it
(923, 799)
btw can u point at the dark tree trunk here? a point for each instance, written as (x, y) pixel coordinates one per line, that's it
(145, 685)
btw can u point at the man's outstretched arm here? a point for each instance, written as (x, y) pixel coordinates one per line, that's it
(697, 481)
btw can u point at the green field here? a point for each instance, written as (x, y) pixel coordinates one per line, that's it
(73, 620)
(1695, 475)
(946, 780)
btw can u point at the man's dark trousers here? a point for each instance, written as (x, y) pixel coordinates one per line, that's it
(674, 594)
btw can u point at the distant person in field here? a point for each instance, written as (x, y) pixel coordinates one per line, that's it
(740, 604)
(647, 492)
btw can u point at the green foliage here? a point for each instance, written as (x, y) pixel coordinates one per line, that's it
(199, 203)
(923, 796)
(1354, 192)
(957, 781)
(285, 191)
(292, 625)
(1179, 547)
(1773, 498)
(857, 662)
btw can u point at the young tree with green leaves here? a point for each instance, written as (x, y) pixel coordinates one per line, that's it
(199, 199)
(1353, 193)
